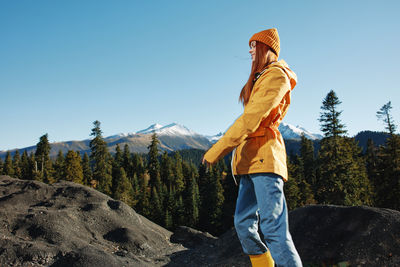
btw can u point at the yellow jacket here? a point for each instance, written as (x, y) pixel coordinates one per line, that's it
(255, 135)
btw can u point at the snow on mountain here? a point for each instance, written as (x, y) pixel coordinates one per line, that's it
(120, 135)
(289, 131)
(170, 129)
(214, 138)
(152, 128)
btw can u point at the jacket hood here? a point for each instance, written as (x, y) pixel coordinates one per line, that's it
(285, 67)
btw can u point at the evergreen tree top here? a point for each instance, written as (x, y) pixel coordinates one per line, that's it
(329, 117)
(385, 116)
(96, 131)
(43, 147)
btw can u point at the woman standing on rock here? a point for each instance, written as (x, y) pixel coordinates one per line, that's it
(259, 156)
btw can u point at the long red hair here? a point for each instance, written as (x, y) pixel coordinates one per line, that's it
(262, 59)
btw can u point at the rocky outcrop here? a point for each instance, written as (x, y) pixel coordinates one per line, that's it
(67, 224)
(329, 234)
(324, 235)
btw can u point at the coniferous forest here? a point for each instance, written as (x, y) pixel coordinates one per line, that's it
(174, 189)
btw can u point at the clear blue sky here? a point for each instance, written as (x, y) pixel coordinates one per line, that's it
(129, 64)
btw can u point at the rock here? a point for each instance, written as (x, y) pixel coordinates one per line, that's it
(324, 235)
(359, 235)
(67, 224)
(192, 238)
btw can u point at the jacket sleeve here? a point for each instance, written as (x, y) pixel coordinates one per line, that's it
(273, 86)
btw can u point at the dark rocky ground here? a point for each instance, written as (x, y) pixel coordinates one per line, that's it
(66, 224)
(358, 236)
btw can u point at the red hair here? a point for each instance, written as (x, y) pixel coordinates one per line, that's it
(262, 60)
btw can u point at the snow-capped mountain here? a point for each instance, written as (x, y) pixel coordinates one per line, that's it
(214, 138)
(120, 135)
(172, 137)
(289, 131)
(150, 129)
(173, 129)
(170, 129)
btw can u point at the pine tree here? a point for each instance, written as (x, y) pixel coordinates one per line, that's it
(384, 114)
(100, 158)
(307, 160)
(179, 212)
(153, 166)
(118, 157)
(204, 178)
(342, 174)
(17, 165)
(388, 182)
(8, 168)
(358, 186)
(87, 171)
(166, 171)
(42, 156)
(371, 159)
(343, 177)
(26, 172)
(134, 181)
(307, 174)
(127, 161)
(329, 117)
(143, 205)
(168, 223)
(42, 152)
(35, 174)
(157, 214)
(192, 202)
(73, 169)
(178, 181)
(212, 201)
(123, 190)
(137, 165)
(186, 173)
(116, 163)
(291, 187)
(59, 166)
(169, 208)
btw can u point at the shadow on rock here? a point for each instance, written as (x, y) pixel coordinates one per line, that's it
(204, 249)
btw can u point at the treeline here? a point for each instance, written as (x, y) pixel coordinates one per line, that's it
(163, 187)
(175, 189)
(341, 173)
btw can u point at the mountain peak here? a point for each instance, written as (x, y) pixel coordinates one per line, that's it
(152, 128)
(170, 129)
(289, 131)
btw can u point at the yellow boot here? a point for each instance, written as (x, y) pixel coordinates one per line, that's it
(263, 260)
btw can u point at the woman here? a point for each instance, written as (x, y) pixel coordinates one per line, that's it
(259, 158)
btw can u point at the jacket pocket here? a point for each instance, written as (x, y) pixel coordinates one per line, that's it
(249, 152)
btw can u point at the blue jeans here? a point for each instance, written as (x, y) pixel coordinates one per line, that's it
(261, 199)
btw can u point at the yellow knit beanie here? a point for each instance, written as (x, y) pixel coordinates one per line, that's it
(269, 37)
